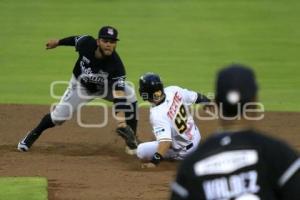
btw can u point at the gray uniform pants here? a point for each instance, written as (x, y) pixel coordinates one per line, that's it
(77, 95)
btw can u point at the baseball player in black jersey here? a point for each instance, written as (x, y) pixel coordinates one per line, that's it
(238, 162)
(98, 73)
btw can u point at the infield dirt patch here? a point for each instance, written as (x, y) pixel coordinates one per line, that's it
(90, 163)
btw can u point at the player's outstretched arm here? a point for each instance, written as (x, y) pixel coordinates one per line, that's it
(162, 149)
(120, 106)
(68, 41)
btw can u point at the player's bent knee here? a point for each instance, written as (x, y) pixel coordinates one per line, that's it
(58, 122)
(140, 152)
(61, 113)
(146, 150)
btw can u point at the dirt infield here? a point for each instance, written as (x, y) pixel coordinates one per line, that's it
(89, 163)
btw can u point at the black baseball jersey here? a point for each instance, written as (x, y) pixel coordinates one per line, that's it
(244, 165)
(95, 74)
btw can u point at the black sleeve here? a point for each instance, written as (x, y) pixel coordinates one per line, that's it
(119, 83)
(202, 99)
(118, 77)
(283, 170)
(77, 41)
(68, 41)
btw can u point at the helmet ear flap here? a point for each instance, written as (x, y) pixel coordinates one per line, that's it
(144, 95)
(142, 89)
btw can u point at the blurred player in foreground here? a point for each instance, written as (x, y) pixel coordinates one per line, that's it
(237, 162)
(173, 125)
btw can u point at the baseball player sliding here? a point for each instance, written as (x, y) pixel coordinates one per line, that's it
(173, 126)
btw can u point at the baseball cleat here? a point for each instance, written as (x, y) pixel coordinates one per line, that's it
(22, 146)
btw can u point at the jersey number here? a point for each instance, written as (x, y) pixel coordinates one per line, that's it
(181, 120)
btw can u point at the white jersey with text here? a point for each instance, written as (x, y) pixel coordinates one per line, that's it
(172, 120)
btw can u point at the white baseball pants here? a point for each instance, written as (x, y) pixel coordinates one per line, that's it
(146, 150)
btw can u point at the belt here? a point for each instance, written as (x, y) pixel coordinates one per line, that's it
(189, 146)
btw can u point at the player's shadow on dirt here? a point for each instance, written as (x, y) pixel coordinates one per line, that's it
(77, 149)
(111, 150)
(89, 150)
(67, 149)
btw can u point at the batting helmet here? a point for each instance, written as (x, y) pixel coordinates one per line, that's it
(149, 84)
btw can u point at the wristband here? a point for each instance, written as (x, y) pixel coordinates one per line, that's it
(156, 158)
(202, 98)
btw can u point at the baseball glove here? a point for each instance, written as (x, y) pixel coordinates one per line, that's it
(128, 135)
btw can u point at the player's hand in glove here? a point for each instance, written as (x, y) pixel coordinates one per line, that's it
(128, 135)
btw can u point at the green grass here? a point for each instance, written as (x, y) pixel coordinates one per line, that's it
(25, 188)
(186, 42)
